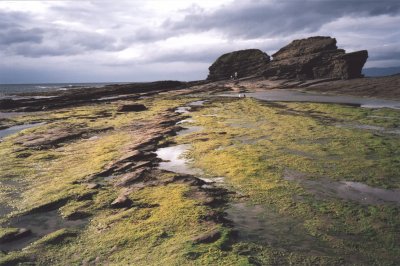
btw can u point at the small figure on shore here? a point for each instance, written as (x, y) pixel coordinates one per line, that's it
(244, 95)
(236, 75)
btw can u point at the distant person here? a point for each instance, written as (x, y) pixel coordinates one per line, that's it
(236, 75)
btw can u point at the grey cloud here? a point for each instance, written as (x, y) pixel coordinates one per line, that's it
(277, 18)
(204, 56)
(15, 35)
(12, 31)
(391, 52)
(66, 43)
(11, 19)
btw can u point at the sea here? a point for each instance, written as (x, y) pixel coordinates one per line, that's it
(8, 90)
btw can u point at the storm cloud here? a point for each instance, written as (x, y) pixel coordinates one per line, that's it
(155, 39)
(257, 19)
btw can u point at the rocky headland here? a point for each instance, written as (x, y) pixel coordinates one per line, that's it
(312, 58)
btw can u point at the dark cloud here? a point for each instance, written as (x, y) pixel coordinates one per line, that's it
(277, 18)
(16, 36)
(12, 31)
(66, 43)
(12, 19)
(202, 56)
(385, 53)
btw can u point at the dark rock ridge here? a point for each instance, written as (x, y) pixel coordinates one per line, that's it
(244, 62)
(131, 108)
(75, 97)
(312, 58)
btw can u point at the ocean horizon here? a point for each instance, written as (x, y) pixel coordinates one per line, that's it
(10, 89)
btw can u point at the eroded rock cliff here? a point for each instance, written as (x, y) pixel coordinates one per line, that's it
(245, 62)
(312, 58)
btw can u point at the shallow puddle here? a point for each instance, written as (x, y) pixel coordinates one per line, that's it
(9, 187)
(197, 103)
(183, 109)
(347, 190)
(10, 114)
(185, 121)
(174, 161)
(250, 140)
(15, 129)
(189, 130)
(287, 95)
(370, 127)
(256, 223)
(40, 225)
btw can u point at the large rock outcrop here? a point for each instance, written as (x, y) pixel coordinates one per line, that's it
(312, 58)
(315, 58)
(245, 62)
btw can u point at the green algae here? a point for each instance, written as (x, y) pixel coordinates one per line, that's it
(248, 142)
(304, 137)
(159, 228)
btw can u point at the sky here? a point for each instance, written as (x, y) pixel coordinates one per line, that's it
(123, 41)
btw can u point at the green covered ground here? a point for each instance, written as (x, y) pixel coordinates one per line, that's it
(257, 147)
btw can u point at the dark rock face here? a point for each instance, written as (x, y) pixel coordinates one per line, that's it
(305, 47)
(121, 202)
(20, 233)
(312, 58)
(208, 237)
(61, 99)
(316, 58)
(132, 108)
(244, 62)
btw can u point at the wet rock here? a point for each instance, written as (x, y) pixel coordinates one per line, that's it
(244, 62)
(121, 202)
(49, 206)
(77, 215)
(85, 196)
(216, 217)
(78, 96)
(7, 103)
(187, 179)
(202, 197)
(17, 259)
(130, 178)
(93, 185)
(11, 236)
(131, 108)
(208, 237)
(192, 255)
(54, 136)
(56, 237)
(23, 155)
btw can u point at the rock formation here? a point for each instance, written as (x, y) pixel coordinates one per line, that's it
(314, 58)
(311, 58)
(131, 108)
(244, 62)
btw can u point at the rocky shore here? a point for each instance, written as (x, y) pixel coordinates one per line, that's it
(187, 173)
